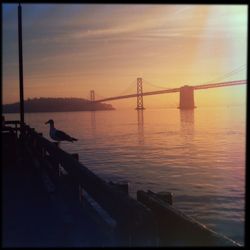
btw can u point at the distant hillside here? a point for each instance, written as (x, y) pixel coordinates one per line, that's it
(56, 105)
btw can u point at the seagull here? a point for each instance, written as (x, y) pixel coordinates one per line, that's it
(58, 135)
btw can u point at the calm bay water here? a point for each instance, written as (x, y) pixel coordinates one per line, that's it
(198, 155)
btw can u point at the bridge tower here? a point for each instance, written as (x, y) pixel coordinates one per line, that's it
(139, 94)
(187, 97)
(92, 99)
(92, 95)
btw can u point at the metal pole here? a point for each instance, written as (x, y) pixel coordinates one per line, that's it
(20, 64)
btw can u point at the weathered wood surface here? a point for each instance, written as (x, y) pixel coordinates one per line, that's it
(152, 221)
(177, 229)
(135, 223)
(31, 217)
(165, 196)
(123, 187)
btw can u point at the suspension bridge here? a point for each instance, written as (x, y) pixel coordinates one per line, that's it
(186, 93)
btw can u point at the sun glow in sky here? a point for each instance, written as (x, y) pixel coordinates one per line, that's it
(71, 49)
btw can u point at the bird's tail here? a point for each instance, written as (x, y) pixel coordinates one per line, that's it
(73, 139)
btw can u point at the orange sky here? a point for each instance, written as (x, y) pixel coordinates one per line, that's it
(71, 49)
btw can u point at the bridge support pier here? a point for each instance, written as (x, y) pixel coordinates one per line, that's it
(187, 97)
(139, 94)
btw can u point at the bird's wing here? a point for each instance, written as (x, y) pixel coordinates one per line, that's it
(63, 136)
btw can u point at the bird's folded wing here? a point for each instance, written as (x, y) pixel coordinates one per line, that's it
(60, 134)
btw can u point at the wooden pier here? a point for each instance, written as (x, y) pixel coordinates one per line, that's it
(50, 199)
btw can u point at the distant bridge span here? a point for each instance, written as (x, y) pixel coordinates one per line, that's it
(186, 93)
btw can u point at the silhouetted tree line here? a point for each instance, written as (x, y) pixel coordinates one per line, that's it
(56, 105)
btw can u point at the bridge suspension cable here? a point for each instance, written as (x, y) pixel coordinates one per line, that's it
(233, 72)
(153, 85)
(99, 96)
(131, 86)
(227, 75)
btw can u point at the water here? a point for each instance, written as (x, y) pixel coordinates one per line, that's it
(198, 155)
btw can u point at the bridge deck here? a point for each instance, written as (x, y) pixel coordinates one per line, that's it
(174, 90)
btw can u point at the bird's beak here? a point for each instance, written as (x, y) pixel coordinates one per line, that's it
(47, 122)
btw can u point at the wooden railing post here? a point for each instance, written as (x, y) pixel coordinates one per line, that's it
(135, 224)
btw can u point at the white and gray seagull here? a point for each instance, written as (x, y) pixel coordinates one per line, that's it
(58, 135)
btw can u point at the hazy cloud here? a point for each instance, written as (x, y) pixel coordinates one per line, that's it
(74, 40)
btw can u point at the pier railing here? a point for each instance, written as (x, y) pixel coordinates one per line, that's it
(134, 223)
(13, 125)
(151, 220)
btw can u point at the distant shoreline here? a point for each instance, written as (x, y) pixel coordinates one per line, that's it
(68, 111)
(44, 105)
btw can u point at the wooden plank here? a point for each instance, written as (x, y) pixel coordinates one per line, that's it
(135, 223)
(165, 196)
(177, 229)
(12, 122)
(123, 187)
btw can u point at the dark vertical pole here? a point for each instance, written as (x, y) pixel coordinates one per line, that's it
(20, 64)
